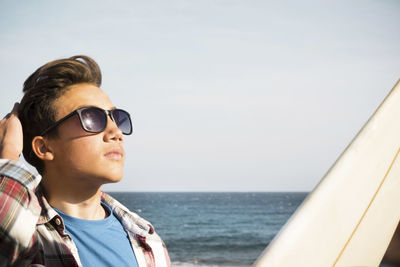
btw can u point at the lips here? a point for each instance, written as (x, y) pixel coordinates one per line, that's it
(115, 154)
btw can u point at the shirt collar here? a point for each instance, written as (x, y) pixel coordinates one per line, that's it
(48, 213)
(129, 220)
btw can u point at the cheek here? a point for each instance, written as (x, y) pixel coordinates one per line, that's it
(78, 145)
(85, 149)
(87, 158)
(81, 152)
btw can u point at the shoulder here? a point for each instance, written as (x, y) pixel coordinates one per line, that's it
(142, 231)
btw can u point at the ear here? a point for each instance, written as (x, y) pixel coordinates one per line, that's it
(42, 149)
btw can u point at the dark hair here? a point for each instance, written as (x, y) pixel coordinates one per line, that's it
(42, 88)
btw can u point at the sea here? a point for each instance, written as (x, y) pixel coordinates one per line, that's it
(214, 229)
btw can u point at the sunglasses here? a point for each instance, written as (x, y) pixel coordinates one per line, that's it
(94, 120)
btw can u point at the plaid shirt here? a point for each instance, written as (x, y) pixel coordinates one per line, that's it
(33, 233)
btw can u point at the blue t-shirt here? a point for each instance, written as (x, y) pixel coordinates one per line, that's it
(100, 242)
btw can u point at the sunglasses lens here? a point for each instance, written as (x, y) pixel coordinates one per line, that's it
(123, 120)
(94, 120)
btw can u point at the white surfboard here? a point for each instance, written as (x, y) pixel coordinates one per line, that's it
(351, 215)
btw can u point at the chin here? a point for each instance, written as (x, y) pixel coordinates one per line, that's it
(110, 177)
(113, 178)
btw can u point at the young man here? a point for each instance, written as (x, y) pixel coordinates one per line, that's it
(68, 128)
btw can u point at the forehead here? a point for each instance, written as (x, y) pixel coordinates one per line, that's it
(80, 95)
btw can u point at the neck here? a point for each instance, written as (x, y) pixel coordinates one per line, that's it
(77, 199)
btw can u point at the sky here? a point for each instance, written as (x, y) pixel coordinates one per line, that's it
(224, 95)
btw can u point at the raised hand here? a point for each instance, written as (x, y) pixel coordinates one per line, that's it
(11, 136)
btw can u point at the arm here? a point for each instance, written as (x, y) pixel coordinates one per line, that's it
(19, 207)
(392, 255)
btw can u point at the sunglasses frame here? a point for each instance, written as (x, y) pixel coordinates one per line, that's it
(79, 113)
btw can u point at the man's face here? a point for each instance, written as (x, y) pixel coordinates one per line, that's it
(95, 158)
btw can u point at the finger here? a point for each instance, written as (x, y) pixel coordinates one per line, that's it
(15, 109)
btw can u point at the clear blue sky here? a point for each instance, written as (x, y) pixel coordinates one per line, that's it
(225, 95)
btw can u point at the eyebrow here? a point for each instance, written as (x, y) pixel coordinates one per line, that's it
(92, 106)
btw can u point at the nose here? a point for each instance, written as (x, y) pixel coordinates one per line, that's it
(112, 132)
